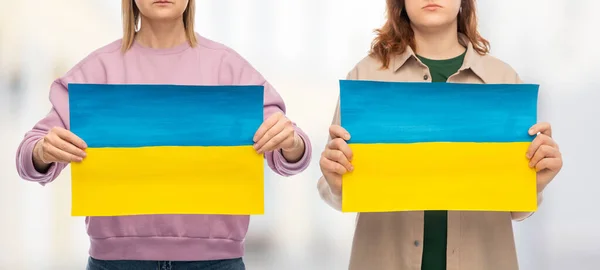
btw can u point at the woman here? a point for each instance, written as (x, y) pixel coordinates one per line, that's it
(432, 41)
(164, 49)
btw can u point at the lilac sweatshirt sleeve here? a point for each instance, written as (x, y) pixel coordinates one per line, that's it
(236, 70)
(25, 167)
(89, 70)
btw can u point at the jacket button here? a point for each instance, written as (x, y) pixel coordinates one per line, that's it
(417, 243)
(425, 77)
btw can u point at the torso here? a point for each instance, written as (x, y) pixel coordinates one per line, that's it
(475, 240)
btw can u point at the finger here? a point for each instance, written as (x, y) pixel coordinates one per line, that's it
(277, 140)
(61, 156)
(65, 146)
(545, 151)
(339, 157)
(540, 140)
(340, 144)
(270, 134)
(70, 137)
(329, 166)
(266, 125)
(553, 164)
(544, 128)
(337, 131)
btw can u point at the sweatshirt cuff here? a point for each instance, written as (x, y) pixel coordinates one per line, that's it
(286, 168)
(27, 168)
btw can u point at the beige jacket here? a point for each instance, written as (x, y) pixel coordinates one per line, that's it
(392, 241)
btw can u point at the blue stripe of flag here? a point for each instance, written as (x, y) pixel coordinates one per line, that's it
(165, 115)
(394, 112)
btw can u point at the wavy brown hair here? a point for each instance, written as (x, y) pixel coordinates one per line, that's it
(397, 34)
(131, 18)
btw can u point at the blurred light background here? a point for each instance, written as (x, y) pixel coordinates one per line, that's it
(303, 48)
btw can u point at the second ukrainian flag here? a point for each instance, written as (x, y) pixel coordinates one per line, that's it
(438, 146)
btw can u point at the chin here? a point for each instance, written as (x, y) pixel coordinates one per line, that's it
(433, 23)
(162, 16)
(437, 25)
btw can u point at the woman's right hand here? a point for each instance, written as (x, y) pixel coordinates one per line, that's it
(335, 160)
(59, 145)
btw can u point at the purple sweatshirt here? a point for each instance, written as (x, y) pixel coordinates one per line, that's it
(160, 237)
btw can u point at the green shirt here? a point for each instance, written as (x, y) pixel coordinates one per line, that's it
(435, 236)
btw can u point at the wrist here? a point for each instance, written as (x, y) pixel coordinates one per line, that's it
(298, 144)
(39, 164)
(295, 152)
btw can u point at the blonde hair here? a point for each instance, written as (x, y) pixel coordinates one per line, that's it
(131, 17)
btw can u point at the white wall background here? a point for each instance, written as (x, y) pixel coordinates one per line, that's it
(303, 48)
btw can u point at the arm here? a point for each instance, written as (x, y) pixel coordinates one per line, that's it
(325, 191)
(25, 153)
(520, 216)
(285, 163)
(236, 70)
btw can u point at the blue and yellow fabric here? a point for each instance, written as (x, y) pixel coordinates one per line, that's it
(438, 146)
(167, 149)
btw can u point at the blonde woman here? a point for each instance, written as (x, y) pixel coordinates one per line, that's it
(163, 49)
(433, 41)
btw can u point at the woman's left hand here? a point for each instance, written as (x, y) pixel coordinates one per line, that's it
(277, 132)
(544, 155)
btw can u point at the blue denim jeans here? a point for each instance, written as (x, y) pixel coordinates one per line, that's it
(233, 264)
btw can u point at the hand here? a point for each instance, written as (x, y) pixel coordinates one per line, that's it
(544, 155)
(277, 132)
(59, 145)
(335, 160)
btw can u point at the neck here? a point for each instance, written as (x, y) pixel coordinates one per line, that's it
(438, 44)
(161, 34)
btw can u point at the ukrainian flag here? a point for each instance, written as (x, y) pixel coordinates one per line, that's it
(166, 149)
(438, 146)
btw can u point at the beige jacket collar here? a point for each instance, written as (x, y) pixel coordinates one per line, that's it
(472, 59)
